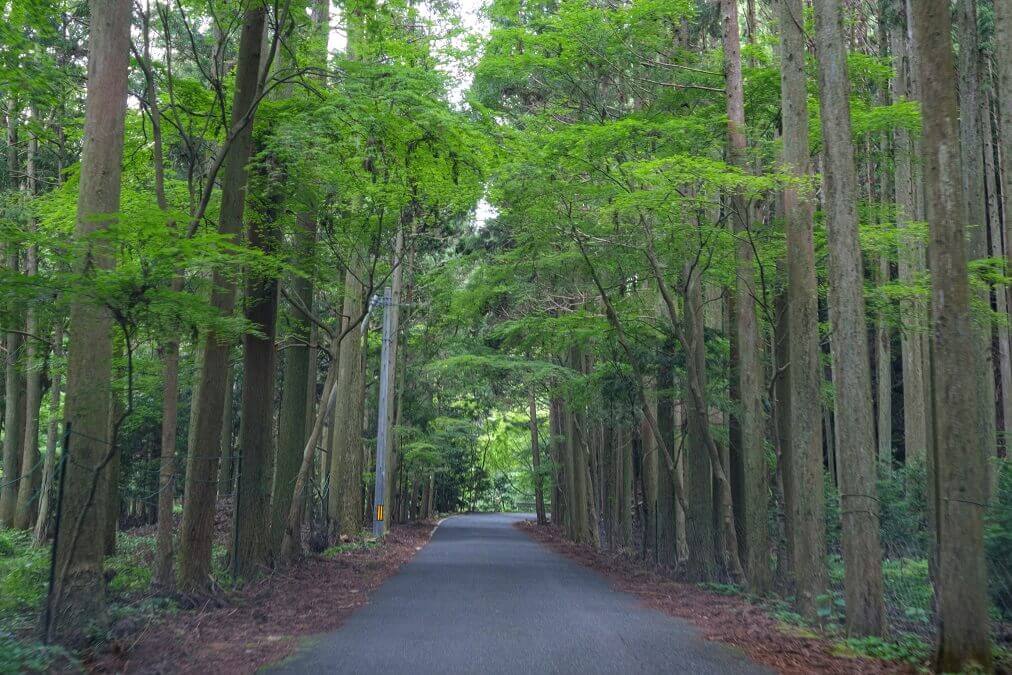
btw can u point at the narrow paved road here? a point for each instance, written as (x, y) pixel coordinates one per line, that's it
(484, 598)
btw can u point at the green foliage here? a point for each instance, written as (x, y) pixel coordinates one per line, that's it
(132, 565)
(364, 544)
(24, 576)
(906, 648)
(18, 656)
(730, 590)
(998, 540)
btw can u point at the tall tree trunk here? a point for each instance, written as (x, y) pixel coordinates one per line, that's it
(626, 490)
(911, 265)
(1003, 65)
(111, 479)
(855, 423)
(781, 434)
(573, 507)
(961, 582)
(699, 513)
(295, 395)
(23, 515)
(48, 470)
(14, 421)
(299, 388)
(884, 374)
(396, 293)
(997, 250)
(77, 595)
(556, 443)
(345, 475)
(163, 577)
(13, 381)
(539, 491)
(750, 456)
(251, 547)
(202, 457)
(229, 458)
(666, 552)
(649, 463)
(971, 103)
(803, 482)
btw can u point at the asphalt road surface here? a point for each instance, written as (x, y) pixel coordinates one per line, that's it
(482, 597)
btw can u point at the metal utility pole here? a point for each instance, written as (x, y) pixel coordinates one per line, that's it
(379, 521)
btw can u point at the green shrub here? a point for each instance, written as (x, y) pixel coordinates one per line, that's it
(132, 564)
(903, 518)
(22, 657)
(24, 575)
(906, 647)
(908, 586)
(998, 541)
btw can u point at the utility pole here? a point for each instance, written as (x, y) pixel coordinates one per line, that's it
(379, 521)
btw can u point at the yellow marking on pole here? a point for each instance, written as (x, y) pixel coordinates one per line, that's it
(379, 512)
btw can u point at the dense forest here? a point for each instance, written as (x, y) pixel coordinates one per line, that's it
(722, 285)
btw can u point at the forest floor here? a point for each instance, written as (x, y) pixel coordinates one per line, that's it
(235, 631)
(729, 617)
(264, 621)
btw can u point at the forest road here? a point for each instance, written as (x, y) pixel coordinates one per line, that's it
(482, 597)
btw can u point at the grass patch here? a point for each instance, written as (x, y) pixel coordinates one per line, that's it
(24, 577)
(730, 590)
(351, 546)
(906, 648)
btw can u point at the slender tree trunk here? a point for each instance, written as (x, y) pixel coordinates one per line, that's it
(997, 250)
(649, 471)
(556, 443)
(77, 596)
(396, 293)
(23, 516)
(884, 375)
(1003, 65)
(14, 421)
(626, 490)
(296, 396)
(782, 432)
(539, 492)
(569, 467)
(666, 553)
(699, 474)
(911, 265)
(163, 577)
(345, 478)
(226, 470)
(52, 435)
(111, 478)
(750, 455)
(164, 573)
(855, 421)
(252, 522)
(202, 458)
(291, 545)
(961, 582)
(971, 103)
(14, 405)
(803, 482)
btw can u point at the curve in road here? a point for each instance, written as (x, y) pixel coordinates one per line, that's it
(482, 597)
